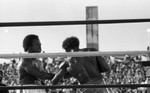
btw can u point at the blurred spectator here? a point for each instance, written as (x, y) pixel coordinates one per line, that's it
(127, 71)
(1, 84)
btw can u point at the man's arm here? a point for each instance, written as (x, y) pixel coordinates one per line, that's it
(59, 75)
(33, 70)
(102, 64)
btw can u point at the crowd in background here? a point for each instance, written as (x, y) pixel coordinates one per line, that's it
(124, 70)
(127, 70)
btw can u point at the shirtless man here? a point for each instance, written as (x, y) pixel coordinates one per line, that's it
(87, 70)
(31, 70)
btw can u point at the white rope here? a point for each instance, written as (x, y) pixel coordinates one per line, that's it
(74, 54)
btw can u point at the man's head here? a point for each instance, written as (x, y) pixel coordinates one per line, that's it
(71, 43)
(31, 44)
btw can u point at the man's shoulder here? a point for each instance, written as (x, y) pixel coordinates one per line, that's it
(26, 62)
(88, 49)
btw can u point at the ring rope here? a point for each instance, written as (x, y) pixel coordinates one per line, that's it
(74, 54)
(46, 23)
(75, 86)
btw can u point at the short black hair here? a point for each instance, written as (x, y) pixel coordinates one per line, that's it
(71, 43)
(27, 42)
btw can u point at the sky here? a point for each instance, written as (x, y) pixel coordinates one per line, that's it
(112, 37)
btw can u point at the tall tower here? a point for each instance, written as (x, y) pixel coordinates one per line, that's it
(92, 29)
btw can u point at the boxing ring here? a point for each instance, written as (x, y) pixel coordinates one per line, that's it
(74, 54)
